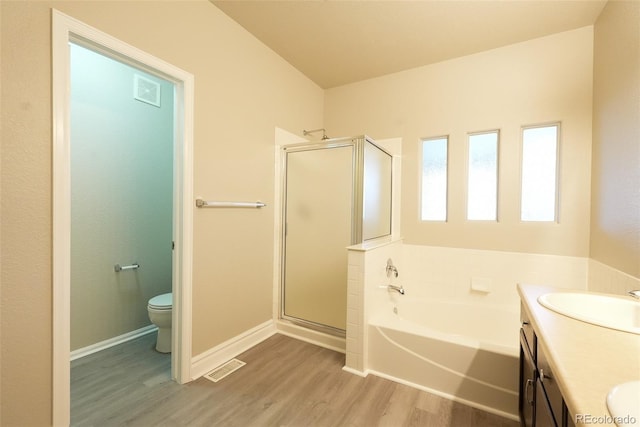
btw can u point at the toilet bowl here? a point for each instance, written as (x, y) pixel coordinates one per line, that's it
(159, 309)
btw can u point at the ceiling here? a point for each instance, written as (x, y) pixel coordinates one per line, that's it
(336, 42)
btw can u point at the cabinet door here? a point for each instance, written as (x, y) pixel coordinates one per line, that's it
(527, 384)
(548, 380)
(543, 414)
(567, 419)
(529, 335)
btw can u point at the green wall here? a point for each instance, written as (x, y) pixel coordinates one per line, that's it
(121, 197)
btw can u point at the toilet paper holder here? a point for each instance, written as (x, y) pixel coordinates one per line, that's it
(118, 268)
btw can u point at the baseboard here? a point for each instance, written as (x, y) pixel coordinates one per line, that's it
(362, 374)
(309, 335)
(216, 356)
(102, 345)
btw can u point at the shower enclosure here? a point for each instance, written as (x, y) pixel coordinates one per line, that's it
(337, 193)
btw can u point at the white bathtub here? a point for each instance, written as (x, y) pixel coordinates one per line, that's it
(465, 352)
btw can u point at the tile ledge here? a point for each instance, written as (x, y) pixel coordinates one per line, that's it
(375, 243)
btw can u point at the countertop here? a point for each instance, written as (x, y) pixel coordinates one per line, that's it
(587, 360)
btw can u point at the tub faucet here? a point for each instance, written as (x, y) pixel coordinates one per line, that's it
(398, 289)
(635, 293)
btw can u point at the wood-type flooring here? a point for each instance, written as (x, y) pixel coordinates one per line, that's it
(285, 382)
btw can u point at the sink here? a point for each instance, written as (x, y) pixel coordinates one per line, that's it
(622, 402)
(609, 311)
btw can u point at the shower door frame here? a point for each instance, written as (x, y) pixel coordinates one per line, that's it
(357, 183)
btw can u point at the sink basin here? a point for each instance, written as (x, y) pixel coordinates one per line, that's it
(609, 311)
(622, 402)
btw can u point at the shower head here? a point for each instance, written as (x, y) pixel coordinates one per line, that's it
(309, 132)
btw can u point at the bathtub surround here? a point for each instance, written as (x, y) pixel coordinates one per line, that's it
(366, 271)
(606, 279)
(448, 273)
(446, 276)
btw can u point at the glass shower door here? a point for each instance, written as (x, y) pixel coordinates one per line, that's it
(318, 228)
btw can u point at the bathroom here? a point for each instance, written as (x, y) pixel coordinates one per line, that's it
(245, 91)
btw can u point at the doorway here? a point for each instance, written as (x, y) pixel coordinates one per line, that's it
(68, 31)
(121, 125)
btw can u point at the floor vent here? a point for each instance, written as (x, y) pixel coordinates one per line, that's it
(223, 370)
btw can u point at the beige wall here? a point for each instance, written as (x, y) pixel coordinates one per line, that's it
(615, 210)
(542, 80)
(243, 91)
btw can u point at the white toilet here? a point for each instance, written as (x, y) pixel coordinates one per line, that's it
(159, 308)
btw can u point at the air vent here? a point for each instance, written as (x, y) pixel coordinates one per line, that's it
(223, 370)
(146, 90)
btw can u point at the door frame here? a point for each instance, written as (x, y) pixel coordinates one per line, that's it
(66, 29)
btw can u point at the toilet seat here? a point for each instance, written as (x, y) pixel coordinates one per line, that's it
(161, 302)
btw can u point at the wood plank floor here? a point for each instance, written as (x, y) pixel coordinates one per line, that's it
(285, 382)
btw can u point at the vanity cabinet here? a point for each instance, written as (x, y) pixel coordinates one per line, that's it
(540, 402)
(527, 384)
(544, 413)
(528, 372)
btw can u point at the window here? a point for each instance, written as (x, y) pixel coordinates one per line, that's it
(539, 173)
(482, 177)
(434, 179)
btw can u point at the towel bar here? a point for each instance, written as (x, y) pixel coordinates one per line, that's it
(205, 204)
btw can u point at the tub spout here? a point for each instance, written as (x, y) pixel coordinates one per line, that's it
(398, 289)
(635, 293)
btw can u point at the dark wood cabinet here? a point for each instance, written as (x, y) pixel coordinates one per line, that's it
(527, 384)
(543, 412)
(540, 402)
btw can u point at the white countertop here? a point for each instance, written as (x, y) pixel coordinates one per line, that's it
(587, 360)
